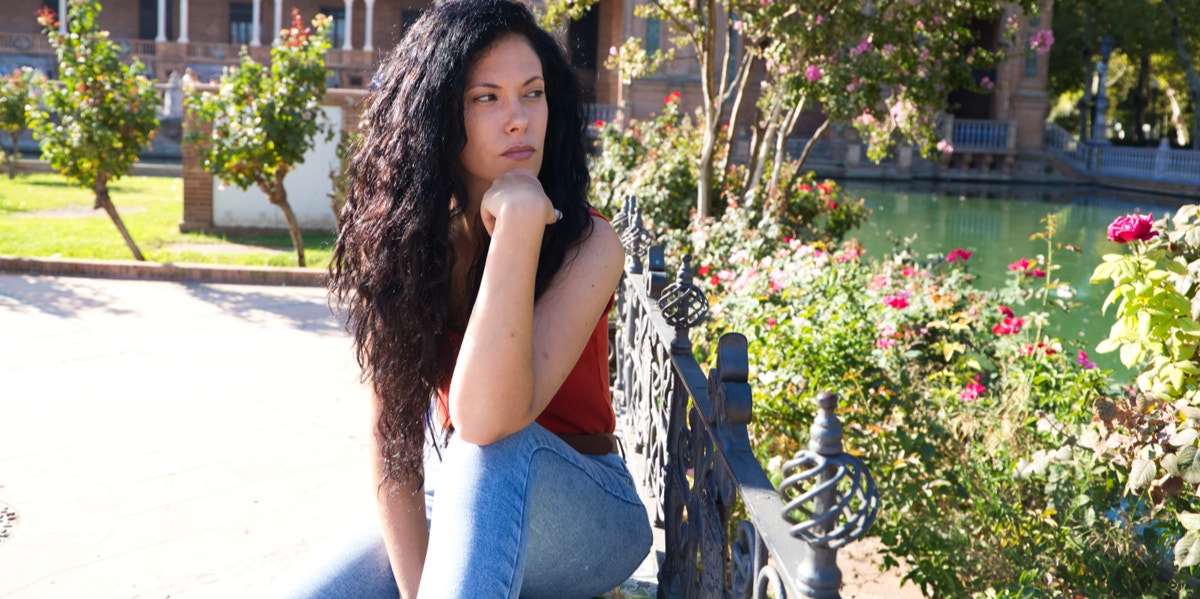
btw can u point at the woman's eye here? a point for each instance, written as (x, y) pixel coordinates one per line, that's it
(537, 93)
(485, 98)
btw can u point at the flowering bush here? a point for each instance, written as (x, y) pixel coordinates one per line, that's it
(18, 91)
(653, 161)
(1151, 432)
(973, 421)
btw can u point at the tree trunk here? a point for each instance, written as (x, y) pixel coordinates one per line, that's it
(742, 77)
(12, 157)
(785, 131)
(808, 148)
(104, 201)
(277, 195)
(1140, 98)
(1189, 69)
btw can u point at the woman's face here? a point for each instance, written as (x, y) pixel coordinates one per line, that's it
(505, 112)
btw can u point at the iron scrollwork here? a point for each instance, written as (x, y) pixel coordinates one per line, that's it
(692, 430)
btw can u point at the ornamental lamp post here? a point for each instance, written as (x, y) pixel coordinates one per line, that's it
(1099, 126)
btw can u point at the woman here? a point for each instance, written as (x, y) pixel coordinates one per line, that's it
(477, 283)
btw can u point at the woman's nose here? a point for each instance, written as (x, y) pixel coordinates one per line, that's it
(517, 119)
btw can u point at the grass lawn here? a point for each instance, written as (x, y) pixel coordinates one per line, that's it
(42, 216)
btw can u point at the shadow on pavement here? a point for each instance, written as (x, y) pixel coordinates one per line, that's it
(306, 315)
(56, 298)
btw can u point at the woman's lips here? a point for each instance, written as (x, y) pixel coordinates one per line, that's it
(519, 153)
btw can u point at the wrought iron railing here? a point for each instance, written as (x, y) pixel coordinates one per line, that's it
(692, 431)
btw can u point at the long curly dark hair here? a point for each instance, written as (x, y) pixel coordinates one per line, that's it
(390, 272)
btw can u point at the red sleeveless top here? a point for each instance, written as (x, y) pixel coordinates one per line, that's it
(582, 405)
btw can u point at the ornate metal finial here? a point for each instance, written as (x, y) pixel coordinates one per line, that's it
(636, 238)
(621, 220)
(833, 491)
(656, 266)
(683, 304)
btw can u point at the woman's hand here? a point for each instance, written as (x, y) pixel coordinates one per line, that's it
(516, 192)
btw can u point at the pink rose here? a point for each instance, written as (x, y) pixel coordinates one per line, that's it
(1133, 226)
(958, 255)
(1010, 326)
(813, 73)
(1084, 361)
(896, 301)
(1005, 310)
(972, 392)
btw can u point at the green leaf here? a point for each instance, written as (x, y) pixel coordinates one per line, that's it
(1189, 469)
(1186, 436)
(1130, 353)
(1187, 551)
(1190, 521)
(1141, 474)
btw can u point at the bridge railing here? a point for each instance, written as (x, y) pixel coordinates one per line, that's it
(1163, 163)
(691, 428)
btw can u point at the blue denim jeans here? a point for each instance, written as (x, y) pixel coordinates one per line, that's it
(526, 516)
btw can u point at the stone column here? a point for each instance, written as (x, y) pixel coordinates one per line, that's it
(162, 21)
(349, 25)
(183, 21)
(62, 16)
(256, 24)
(278, 22)
(370, 25)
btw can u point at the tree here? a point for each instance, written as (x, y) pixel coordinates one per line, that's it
(1184, 19)
(264, 119)
(100, 114)
(886, 66)
(18, 91)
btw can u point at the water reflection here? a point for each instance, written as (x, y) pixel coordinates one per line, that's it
(996, 224)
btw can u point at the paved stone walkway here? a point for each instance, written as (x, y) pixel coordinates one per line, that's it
(172, 440)
(184, 440)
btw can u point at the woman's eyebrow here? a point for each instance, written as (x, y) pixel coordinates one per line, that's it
(496, 86)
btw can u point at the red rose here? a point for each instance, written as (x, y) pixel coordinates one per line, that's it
(1010, 326)
(958, 255)
(1134, 226)
(1005, 310)
(703, 270)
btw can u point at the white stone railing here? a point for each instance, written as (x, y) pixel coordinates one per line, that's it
(987, 135)
(1162, 163)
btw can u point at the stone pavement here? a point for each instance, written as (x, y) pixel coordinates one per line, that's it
(169, 439)
(172, 439)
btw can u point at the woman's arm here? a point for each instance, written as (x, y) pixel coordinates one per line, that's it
(515, 354)
(402, 513)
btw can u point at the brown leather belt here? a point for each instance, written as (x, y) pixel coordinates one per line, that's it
(597, 444)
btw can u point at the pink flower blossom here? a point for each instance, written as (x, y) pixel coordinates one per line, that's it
(1029, 349)
(945, 147)
(854, 84)
(866, 119)
(739, 26)
(908, 272)
(885, 343)
(714, 280)
(1010, 326)
(813, 73)
(987, 83)
(972, 392)
(958, 255)
(1084, 361)
(1020, 265)
(1134, 226)
(1037, 273)
(703, 270)
(896, 301)
(1005, 310)
(612, 50)
(879, 282)
(862, 48)
(820, 19)
(672, 97)
(1041, 41)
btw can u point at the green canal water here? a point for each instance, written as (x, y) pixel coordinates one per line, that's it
(996, 224)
